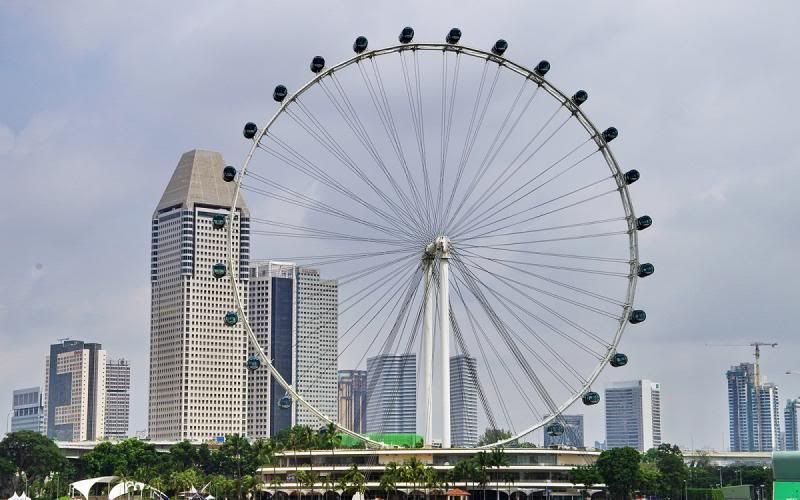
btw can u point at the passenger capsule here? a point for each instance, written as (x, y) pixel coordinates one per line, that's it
(453, 36)
(618, 360)
(228, 173)
(280, 92)
(218, 221)
(554, 429)
(231, 318)
(317, 64)
(643, 222)
(580, 97)
(645, 270)
(542, 68)
(360, 45)
(253, 363)
(250, 130)
(219, 270)
(591, 398)
(499, 47)
(631, 176)
(610, 134)
(285, 402)
(637, 316)
(406, 35)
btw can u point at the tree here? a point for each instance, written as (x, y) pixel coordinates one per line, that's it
(672, 469)
(307, 479)
(183, 456)
(619, 468)
(275, 483)
(482, 464)
(236, 458)
(498, 459)
(32, 453)
(356, 482)
(493, 435)
(389, 479)
(585, 475)
(649, 478)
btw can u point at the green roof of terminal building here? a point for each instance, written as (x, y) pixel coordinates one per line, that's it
(402, 439)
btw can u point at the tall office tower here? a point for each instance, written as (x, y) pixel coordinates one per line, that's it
(741, 404)
(463, 401)
(573, 432)
(75, 391)
(353, 400)
(198, 378)
(28, 411)
(294, 316)
(392, 393)
(769, 434)
(633, 414)
(790, 425)
(118, 397)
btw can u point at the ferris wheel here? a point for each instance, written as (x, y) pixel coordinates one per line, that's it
(465, 206)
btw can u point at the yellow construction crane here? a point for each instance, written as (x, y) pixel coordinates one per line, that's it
(757, 377)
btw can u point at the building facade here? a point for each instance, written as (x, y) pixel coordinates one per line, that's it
(294, 316)
(118, 398)
(753, 412)
(198, 377)
(633, 414)
(353, 400)
(75, 391)
(392, 393)
(790, 425)
(573, 432)
(463, 401)
(28, 410)
(741, 405)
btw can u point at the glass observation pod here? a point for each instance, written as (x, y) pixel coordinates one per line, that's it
(218, 221)
(253, 363)
(285, 402)
(637, 316)
(591, 398)
(554, 429)
(219, 270)
(231, 318)
(619, 359)
(228, 173)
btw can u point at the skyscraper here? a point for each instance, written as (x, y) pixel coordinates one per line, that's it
(633, 414)
(118, 398)
(353, 399)
(573, 432)
(790, 425)
(463, 401)
(741, 404)
(28, 411)
(75, 391)
(294, 316)
(198, 378)
(753, 424)
(392, 393)
(769, 433)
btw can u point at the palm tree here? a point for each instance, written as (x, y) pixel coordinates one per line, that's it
(498, 459)
(413, 472)
(327, 483)
(358, 482)
(307, 479)
(430, 480)
(482, 464)
(391, 473)
(275, 483)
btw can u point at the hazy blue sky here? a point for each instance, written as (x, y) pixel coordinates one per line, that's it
(99, 100)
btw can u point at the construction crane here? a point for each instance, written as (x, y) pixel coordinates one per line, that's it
(757, 376)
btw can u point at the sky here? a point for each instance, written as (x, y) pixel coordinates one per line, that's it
(98, 102)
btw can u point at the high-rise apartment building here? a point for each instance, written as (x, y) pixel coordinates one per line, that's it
(753, 415)
(392, 393)
(28, 411)
(769, 433)
(294, 316)
(198, 376)
(790, 425)
(118, 398)
(741, 405)
(463, 401)
(353, 400)
(75, 391)
(573, 432)
(633, 414)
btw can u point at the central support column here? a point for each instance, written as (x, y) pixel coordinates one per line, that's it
(427, 352)
(443, 248)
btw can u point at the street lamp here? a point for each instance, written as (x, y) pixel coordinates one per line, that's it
(685, 490)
